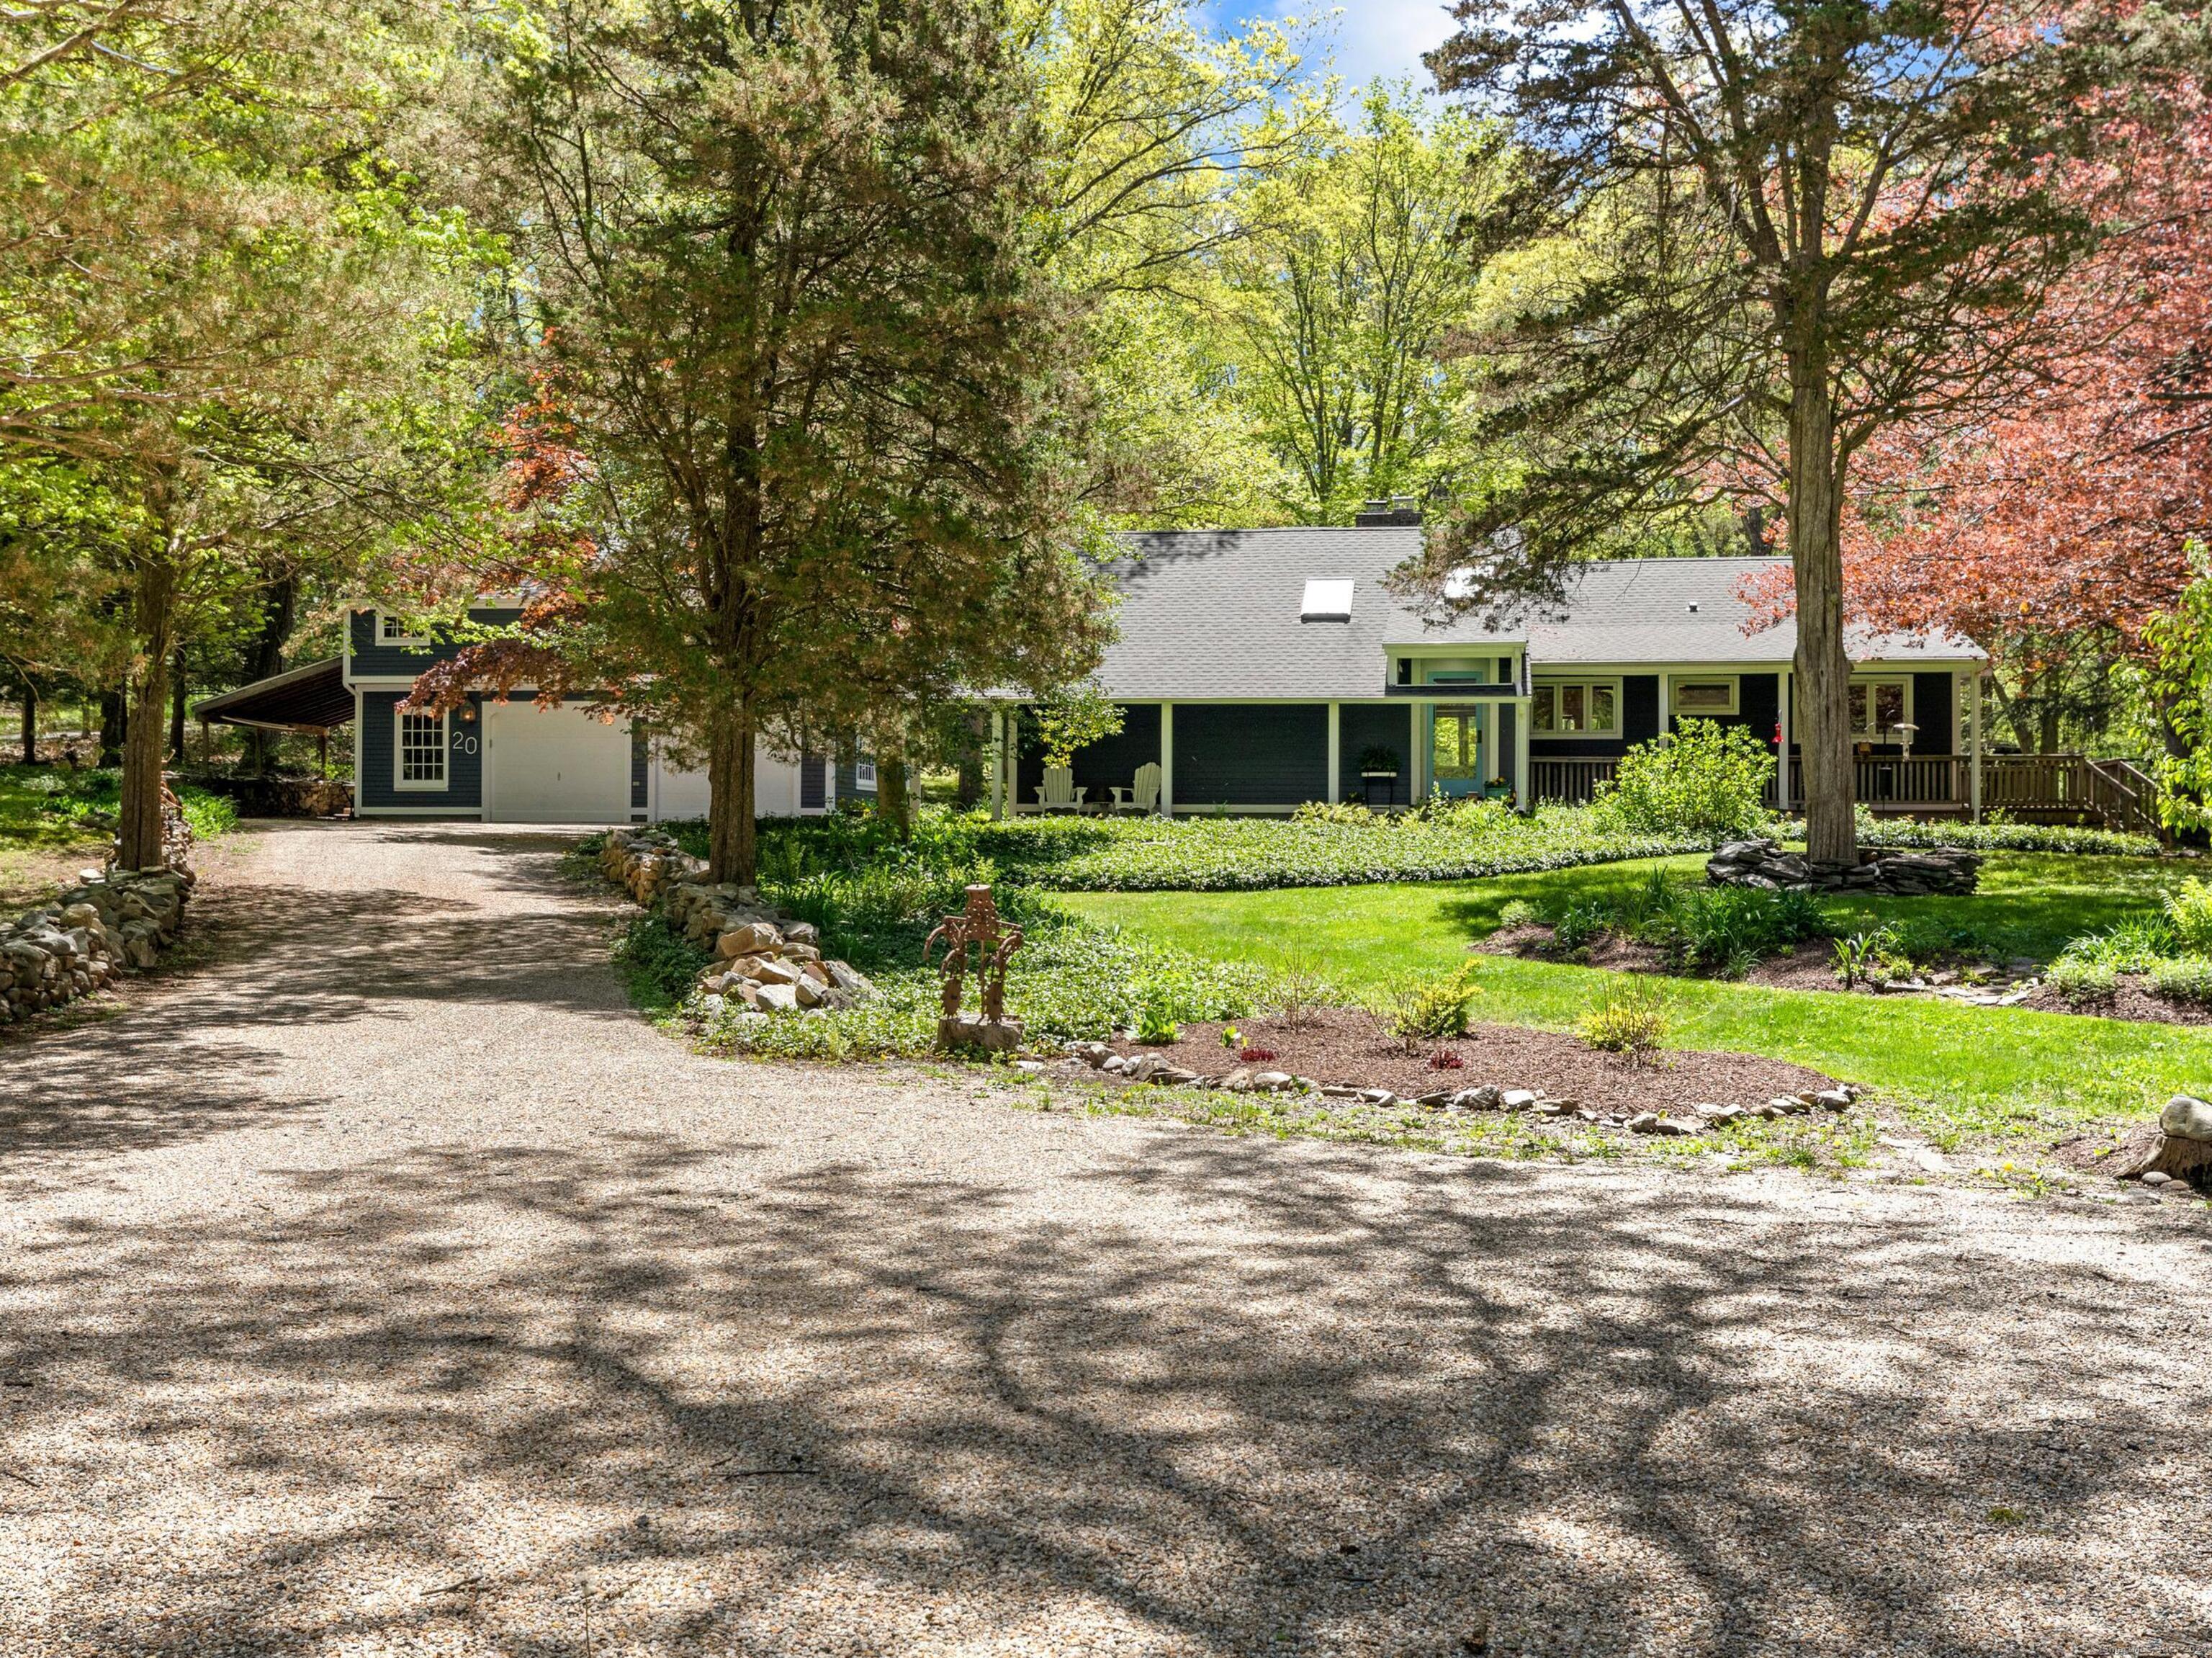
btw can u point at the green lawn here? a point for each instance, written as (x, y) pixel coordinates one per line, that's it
(43, 842)
(1972, 1069)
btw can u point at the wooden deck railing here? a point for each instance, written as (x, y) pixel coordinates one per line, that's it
(2067, 788)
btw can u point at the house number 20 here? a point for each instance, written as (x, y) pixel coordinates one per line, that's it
(464, 743)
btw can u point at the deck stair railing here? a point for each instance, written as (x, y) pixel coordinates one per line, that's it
(2114, 793)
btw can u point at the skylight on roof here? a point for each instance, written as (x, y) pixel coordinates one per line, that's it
(1327, 601)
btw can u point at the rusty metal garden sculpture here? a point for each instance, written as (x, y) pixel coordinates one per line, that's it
(978, 927)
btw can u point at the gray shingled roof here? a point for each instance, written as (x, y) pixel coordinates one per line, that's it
(1214, 613)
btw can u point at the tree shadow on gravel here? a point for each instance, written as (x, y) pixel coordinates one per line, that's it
(1221, 1400)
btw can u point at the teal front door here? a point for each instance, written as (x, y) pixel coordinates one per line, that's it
(1455, 750)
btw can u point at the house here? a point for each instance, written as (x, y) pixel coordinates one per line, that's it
(511, 762)
(1262, 669)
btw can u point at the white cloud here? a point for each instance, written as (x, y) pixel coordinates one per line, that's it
(1369, 37)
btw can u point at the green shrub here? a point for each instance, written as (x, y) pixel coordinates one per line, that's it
(1990, 836)
(2189, 913)
(1727, 928)
(1628, 1016)
(658, 962)
(2132, 945)
(2183, 979)
(1706, 779)
(209, 817)
(1342, 811)
(2082, 980)
(1516, 912)
(1415, 1010)
(1580, 924)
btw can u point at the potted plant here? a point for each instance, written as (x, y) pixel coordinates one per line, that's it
(1379, 772)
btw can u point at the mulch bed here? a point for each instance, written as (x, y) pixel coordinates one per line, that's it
(1349, 1047)
(2132, 999)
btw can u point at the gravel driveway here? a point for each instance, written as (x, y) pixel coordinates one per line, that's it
(389, 1289)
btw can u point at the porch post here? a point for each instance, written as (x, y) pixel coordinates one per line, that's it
(998, 762)
(1010, 760)
(1974, 744)
(1782, 760)
(1666, 702)
(1167, 759)
(1414, 793)
(1524, 718)
(1335, 750)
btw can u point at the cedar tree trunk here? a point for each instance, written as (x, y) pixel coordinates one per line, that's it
(139, 837)
(269, 659)
(892, 803)
(1824, 672)
(732, 850)
(30, 724)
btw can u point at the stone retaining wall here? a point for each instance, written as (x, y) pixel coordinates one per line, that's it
(767, 961)
(1763, 863)
(103, 927)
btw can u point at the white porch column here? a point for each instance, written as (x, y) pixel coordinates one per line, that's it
(1974, 743)
(1414, 793)
(1666, 703)
(1167, 759)
(1524, 717)
(1335, 754)
(1010, 759)
(998, 762)
(1782, 760)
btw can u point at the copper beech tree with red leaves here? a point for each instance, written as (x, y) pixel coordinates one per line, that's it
(1793, 226)
(796, 458)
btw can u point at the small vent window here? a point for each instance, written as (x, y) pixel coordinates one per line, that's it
(1327, 601)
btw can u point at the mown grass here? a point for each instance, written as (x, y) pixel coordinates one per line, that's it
(1961, 1071)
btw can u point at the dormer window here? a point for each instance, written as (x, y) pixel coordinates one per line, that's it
(393, 630)
(1327, 601)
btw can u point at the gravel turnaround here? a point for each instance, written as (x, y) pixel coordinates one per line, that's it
(383, 1286)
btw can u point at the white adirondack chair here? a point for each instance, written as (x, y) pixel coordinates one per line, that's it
(1058, 792)
(1142, 796)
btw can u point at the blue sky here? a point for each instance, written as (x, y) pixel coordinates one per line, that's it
(1372, 37)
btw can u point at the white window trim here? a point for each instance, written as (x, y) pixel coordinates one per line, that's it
(1676, 681)
(1603, 682)
(864, 776)
(1870, 680)
(402, 640)
(399, 781)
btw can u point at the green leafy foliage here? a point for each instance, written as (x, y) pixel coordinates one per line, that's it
(2189, 913)
(1415, 1010)
(2183, 979)
(1707, 779)
(209, 816)
(2082, 980)
(660, 964)
(1988, 836)
(1627, 1016)
(1075, 716)
(1714, 928)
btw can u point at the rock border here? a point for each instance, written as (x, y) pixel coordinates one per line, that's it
(1147, 1068)
(764, 960)
(110, 923)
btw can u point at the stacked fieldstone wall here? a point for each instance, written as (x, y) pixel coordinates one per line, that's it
(106, 925)
(767, 961)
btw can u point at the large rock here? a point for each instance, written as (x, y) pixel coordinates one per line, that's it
(2186, 1117)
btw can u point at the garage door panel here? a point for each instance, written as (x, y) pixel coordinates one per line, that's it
(556, 766)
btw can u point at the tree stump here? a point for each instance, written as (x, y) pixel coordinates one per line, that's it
(2184, 1151)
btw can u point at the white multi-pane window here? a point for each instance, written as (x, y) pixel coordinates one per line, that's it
(422, 751)
(1878, 708)
(393, 630)
(1587, 709)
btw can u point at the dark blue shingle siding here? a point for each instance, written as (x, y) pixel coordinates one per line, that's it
(368, 660)
(375, 786)
(1250, 754)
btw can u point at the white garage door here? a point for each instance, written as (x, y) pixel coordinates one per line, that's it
(555, 766)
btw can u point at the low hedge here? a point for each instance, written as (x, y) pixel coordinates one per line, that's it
(2007, 838)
